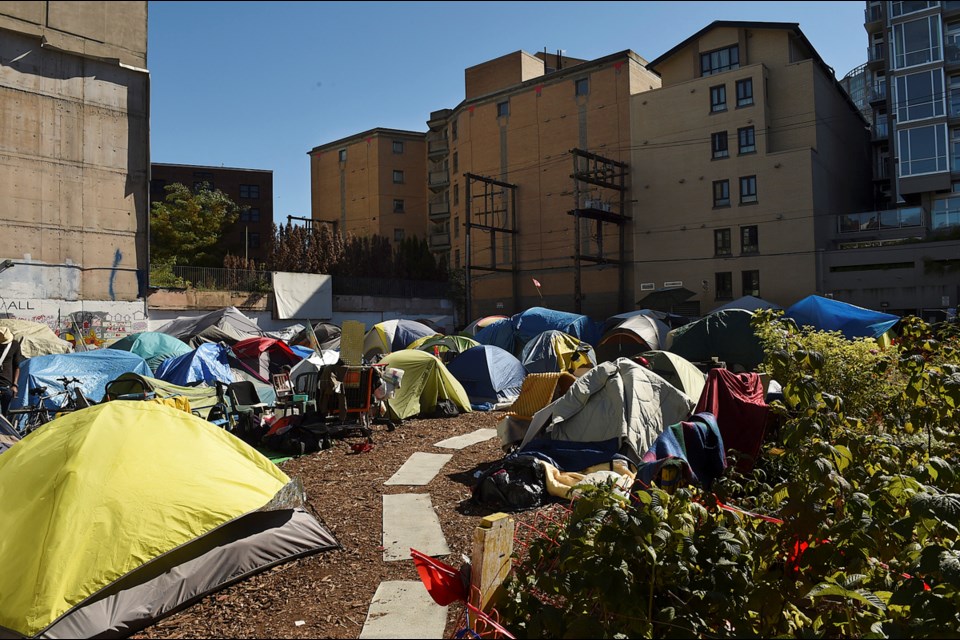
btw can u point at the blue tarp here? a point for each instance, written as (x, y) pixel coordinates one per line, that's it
(499, 333)
(535, 320)
(488, 374)
(94, 369)
(833, 315)
(206, 363)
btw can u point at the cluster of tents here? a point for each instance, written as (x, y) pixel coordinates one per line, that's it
(143, 508)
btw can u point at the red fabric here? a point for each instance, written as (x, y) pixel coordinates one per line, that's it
(737, 400)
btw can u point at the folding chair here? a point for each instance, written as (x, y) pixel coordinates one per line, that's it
(305, 387)
(244, 397)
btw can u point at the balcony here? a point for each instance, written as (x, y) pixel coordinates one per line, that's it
(880, 131)
(438, 147)
(873, 18)
(951, 54)
(439, 210)
(438, 179)
(891, 219)
(877, 93)
(439, 240)
(876, 53)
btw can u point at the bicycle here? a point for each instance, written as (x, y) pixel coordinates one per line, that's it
(39, 411)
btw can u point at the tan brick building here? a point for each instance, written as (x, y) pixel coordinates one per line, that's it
(74, 152)
(372, 183)
(742, 163)
(251, 189)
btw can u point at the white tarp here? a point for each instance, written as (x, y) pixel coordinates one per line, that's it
(303, 295)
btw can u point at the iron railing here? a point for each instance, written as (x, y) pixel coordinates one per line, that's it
(219, 279)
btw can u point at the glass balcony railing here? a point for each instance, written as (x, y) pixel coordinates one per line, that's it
(877, 92)
(881, 130)
(880, 220)
(439, 209)
(877, 52)
(872, 14)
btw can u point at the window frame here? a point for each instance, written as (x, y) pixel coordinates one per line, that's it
(398, 173)
(747, 248)
(722, 243)
(342, 155)
(901, 57)
(748, 195)
(250, 190)
(253, 239)
(750, 291)
(746, 101)
(581, 87)
(742, 149)
(398, 206)
(718, 98)
(398, 144)
(720, 68)
(906, 157)
(398, 234)
(503, 109)
(719, 145)
(725, 292)
(905, 112)
(723, 201)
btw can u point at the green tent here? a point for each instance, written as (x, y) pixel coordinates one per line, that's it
(425, 381)
(201, 398)
(152, 346)
(120, 514)
(726, 335)
(678, 371)
(449, 347)
(36, 339)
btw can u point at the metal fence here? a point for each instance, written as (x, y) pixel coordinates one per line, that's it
(218, 279)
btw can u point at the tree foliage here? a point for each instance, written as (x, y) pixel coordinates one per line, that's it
(186, 226)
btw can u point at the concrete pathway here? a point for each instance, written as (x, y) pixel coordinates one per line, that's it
(464, 441)
(419, 469)
(403, 609)
(409, 522)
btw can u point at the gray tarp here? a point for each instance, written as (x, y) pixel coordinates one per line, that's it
(619, 399)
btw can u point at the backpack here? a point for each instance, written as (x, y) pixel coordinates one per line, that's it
(444, 409)
(518, 482)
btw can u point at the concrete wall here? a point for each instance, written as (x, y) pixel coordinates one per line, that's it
(74, 149)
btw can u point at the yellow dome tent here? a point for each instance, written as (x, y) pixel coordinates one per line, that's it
(116, 515)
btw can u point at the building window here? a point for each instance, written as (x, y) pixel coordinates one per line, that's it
(250, 214)
(911, 6)
(721, 242)
(397, 205)
(398, 146)
(456, 162)
(397, 176)
(718, 143)
(719, 61)
(253, 240)
(723, 285)
(581, 87)
(456, 227)
(922, 150)
(751, 283)
(919, 96)
(203, 180)
(251, 191)
(721, 193)
(503, 109)
(453, 130)
(746, 140)
(158, 189)
(916, 42)
(749, 240)
(954, 96)
(343, 155)
(456, 194)
(748, 189)
(398, 235)
(718, 98)
(745, 92)
(945, 213)
(456, 258)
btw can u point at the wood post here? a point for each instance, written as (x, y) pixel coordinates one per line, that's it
(491, 561)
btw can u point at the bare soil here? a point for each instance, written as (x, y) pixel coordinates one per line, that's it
(329, 593)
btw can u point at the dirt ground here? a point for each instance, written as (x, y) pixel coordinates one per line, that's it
(329, 593)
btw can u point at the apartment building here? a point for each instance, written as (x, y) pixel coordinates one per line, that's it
(250, 189)
(743, 163)
(904, 255)
(371, 183)
(74, 159)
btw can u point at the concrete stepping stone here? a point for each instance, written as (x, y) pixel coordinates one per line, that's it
(464, 441)
(419, 469)
(409, 522)
(402, 609)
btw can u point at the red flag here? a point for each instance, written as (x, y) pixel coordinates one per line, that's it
(536, 283)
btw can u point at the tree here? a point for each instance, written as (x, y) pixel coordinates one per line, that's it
(186, 227)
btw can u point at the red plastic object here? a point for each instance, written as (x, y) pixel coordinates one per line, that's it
(442, 581)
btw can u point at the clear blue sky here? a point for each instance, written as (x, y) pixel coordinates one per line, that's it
(258, 84)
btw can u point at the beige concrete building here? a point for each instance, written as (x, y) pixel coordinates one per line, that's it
(743, 162)
(74, 157)
(372, 183)
(250, 189)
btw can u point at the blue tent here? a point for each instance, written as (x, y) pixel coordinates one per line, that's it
(488, 374)
(833, 315)
(94, 369)
(499, 333)
(554, 351)
(206, 363)
(535, 320)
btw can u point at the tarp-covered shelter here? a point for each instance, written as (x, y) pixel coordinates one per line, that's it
(36, 339)
(264, 357)
(631, 337)
(726, 335)
(620, 399)
(328, 335)
(129, 511)
(531, 323)
(447, 346)
(201, 397)
(554, 351)
(227, 325)
(672, 320)
(393, 335)
(852, 321)
(749, 303)
(94, 369)
(206, 363)
(488, 374)
(499, 333)
(474, 327)
(678, 371)
(425, 381)
(152, 346)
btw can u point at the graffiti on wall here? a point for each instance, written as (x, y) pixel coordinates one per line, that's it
(94, 323)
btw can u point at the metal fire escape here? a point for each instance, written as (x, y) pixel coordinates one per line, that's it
(497, 216)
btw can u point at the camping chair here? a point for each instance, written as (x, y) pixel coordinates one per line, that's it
(244, 397)
(283, 387)
(305, 387)
(537, 391)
